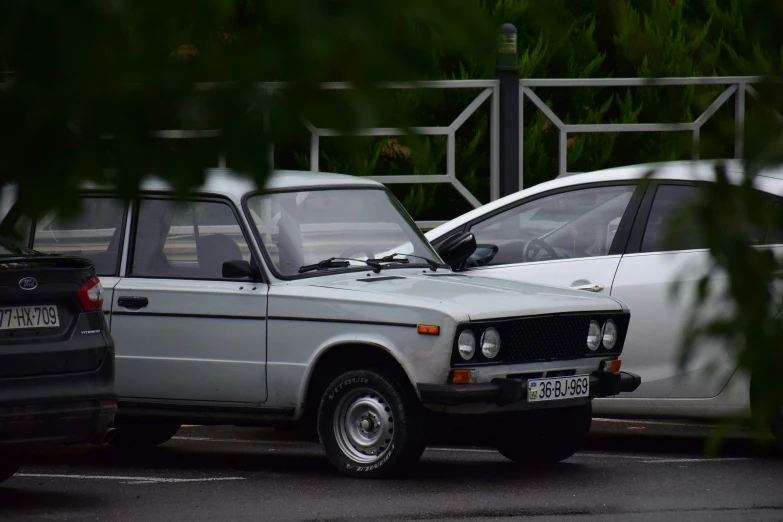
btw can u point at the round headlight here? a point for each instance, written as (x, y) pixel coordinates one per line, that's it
(594, 336)
(490, 343)
(609, 334)
(466, 344)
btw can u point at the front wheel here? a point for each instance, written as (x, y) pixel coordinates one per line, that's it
(370, 424)
(9, 464)
(544, 437)
(138, 434)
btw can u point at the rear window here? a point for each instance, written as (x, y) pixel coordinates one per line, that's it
(95, 234)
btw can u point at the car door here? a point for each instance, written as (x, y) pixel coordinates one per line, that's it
(573, 237)
(644, 281)
(96, 232)
(182, 331)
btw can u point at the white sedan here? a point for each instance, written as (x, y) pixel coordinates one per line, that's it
(603, 232)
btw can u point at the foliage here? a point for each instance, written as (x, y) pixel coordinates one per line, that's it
(85, 82)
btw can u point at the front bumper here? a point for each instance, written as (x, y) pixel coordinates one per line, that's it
(505, 391)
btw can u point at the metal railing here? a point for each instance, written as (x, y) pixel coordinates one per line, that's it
(489, 92)
(736, 86)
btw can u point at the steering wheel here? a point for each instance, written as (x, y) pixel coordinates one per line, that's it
(527, 255)
(351, 252)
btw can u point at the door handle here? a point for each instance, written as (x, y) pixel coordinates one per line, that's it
(589, 288)
(133, 302)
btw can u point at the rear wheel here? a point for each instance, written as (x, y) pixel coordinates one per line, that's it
(772, 418)
(544, 437)
(143, 433)
(9, 464)
(370, 424)
(777, 426)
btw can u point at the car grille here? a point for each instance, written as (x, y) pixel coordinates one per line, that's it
(545, 338)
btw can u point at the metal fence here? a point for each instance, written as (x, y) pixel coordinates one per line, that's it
(489, 92)
(736, 86)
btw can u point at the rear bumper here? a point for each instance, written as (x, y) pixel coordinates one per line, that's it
(55, 409)
(72, 422)
(505, 391)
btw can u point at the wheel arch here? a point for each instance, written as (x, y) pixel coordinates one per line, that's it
(339, 358)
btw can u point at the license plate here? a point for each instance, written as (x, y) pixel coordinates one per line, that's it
(558, 388)
(22, 317)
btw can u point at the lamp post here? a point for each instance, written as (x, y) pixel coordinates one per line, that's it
(510, 145)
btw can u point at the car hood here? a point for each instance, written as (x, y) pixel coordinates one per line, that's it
(478, 297)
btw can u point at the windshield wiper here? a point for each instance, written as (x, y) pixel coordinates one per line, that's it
(339, 262)
(434, 265)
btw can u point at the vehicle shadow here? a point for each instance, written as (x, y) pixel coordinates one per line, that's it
(693, 446)
(305, 462)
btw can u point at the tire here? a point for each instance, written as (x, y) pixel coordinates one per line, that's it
(777, 427)
(9, 464)
(545, 437)
(141, 434)
(772, 419)
(370, 424)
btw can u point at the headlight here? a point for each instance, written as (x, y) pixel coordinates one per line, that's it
(490, 343)
(594, 336)
(466, 344)
(609, 334)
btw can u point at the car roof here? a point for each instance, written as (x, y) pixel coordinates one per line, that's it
(233, 185)
(696, 170)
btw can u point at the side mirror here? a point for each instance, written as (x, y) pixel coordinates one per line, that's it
(238, 270)
(484, 254)
(456, 250)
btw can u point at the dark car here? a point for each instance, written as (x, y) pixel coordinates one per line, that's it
(56, 355)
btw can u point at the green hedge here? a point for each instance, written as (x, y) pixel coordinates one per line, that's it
(574, 39)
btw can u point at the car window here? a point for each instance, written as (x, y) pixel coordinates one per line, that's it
(669, 227)
(7, 199)
(94, 233)
(574, 224)
(188, 240)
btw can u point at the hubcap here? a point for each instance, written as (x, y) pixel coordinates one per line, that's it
(364, 425)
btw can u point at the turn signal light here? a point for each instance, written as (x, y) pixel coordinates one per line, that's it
(461, 377)
(612, 366)
(428, 329)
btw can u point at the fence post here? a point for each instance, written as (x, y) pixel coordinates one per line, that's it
(508, 73)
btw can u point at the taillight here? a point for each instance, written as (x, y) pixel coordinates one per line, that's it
(91, 295)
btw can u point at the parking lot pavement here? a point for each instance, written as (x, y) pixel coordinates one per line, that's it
(219, 473)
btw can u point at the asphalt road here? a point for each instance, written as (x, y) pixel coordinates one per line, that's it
(630, 471)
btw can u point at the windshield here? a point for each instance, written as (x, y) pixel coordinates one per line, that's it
(302, 228)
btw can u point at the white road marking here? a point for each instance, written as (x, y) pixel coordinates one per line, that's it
(464, 450)
(246, 441)
(646, 459)
(127, 480)
(706, 459)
